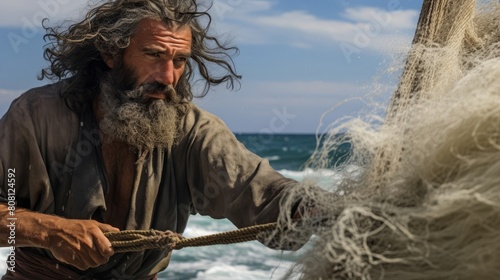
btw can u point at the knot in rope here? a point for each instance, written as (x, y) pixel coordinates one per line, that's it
(140, 240)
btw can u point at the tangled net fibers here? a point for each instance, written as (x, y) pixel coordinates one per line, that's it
(426, 204)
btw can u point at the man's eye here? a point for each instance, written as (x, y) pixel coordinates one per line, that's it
(181, 59)
(153, 54)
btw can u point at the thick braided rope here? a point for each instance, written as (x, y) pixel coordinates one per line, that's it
(140, 240)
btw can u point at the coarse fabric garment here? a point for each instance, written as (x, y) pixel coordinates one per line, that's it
(30, 265)
(56, 154)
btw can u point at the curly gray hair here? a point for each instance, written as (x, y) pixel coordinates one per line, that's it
(75, 52)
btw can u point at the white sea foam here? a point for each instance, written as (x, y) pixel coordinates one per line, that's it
(322, 177)
(3, 259)
(273, 158)
(249, 260)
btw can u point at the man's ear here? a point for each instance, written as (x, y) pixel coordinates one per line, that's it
(108, 59)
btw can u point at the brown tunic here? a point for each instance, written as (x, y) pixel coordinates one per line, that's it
(59, 170)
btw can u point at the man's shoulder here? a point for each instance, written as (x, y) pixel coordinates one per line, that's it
(47, 97)
(46, 93)
(199, 118)
(41, 103)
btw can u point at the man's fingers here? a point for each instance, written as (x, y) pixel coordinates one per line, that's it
(73, 259)
(103, 246)
(82, 244)
(88, 262)
(106, 227)
(97, 257)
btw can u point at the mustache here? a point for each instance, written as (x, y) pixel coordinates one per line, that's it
(138, 94)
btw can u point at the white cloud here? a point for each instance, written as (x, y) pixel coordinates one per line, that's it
(251, 22)
(362, 27)
(247, 7)
(278, 93)
(308, 89)
(404, 19)
(30, 13)
(307, 101)
(305, 23)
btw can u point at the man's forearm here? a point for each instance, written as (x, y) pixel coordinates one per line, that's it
(25, 228)
(80, 243)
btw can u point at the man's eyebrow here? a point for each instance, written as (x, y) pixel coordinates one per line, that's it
(154, 49)
(186, 54)
(162, 51)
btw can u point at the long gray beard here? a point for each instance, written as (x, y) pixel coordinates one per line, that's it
(142, 125)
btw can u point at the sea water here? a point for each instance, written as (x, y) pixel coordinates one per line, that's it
(287, 153)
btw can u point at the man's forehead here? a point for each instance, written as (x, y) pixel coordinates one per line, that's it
(158, 27)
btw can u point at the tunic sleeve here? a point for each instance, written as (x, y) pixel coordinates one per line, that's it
(228, 181)
(21, 156)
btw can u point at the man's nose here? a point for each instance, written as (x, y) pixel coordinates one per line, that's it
(165, 73)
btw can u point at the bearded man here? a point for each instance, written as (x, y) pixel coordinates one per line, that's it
(115, 143)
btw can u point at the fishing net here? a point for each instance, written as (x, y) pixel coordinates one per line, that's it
(424, 200)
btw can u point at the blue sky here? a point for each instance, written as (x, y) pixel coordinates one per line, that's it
(299, 59)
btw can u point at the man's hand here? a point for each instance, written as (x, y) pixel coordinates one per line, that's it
(80, 243)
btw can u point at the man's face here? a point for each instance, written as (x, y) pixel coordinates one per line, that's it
(157, 54)
(139, 97)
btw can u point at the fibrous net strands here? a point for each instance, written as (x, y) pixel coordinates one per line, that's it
(425, 202)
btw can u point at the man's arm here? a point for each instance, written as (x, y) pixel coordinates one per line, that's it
(80, 243)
